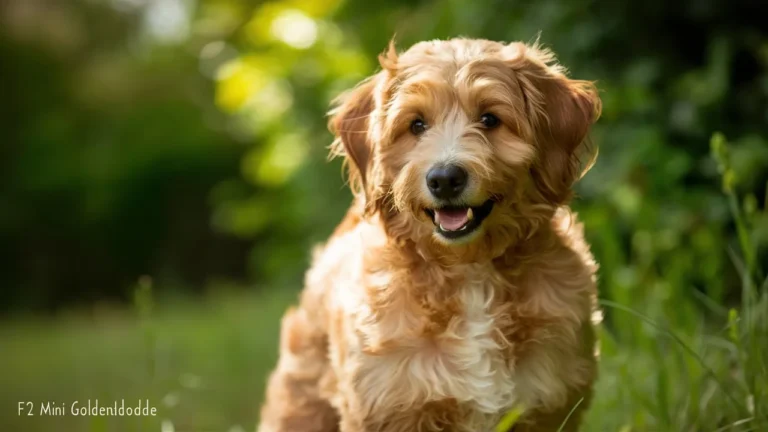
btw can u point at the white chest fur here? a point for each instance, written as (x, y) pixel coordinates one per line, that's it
(464, 363)
(406, 368)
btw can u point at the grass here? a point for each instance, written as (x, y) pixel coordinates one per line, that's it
(683, 365)
(202, 365)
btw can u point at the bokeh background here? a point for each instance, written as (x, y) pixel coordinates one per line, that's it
(164, 174)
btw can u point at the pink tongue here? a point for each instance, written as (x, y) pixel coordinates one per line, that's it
(451, 220)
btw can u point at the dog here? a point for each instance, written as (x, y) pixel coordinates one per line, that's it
(459, 285)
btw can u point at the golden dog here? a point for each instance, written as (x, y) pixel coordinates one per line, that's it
(459, 286)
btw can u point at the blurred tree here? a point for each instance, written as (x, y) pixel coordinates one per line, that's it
(111, 145)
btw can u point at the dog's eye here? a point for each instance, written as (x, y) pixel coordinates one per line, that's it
(490, 121)
(418, 127)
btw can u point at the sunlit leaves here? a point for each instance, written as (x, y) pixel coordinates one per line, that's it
(238, 81)
(294, 29)
(258, 30)
(274, 164)
(292, 22)
(315, 8)
(218, 18)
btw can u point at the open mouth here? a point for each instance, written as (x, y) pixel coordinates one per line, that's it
(454, 222)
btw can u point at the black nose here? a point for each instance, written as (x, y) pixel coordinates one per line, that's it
(446, 182)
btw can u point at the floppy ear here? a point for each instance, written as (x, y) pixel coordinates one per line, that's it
(349, 122)
(561, 111)
(572, 107)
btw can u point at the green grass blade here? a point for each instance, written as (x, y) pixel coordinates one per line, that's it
(568, 417)
(734, 424)
(509, 419)
(680, 342)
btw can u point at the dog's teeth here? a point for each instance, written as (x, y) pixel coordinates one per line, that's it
(441, 227)
(470, 214)
(463, 228)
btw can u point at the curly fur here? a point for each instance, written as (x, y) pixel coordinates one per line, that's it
(399, 329)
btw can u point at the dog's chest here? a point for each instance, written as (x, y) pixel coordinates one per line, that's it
(464, 361)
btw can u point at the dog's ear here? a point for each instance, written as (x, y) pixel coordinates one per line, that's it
(565, 151)
(561, 112)
(349, 122)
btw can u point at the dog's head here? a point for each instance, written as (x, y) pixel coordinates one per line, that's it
(465, 145)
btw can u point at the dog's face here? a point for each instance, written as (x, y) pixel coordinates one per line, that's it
(465, 145)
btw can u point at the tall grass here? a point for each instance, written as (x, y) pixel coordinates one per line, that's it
(706, 372)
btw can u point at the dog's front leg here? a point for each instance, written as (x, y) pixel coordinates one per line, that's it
(294, 401)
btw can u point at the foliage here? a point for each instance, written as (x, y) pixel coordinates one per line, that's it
(704, 371)
(109, 149)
